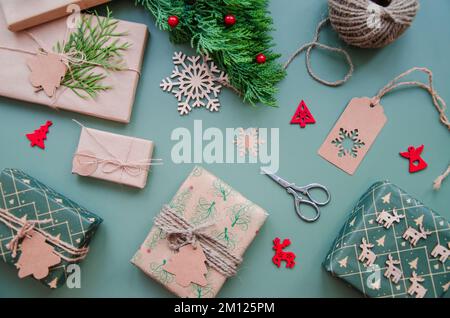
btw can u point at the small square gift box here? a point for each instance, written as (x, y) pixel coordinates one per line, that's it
(200, 237)
(41, 231)
(92, 69)
(392, 245)
(23, 14)
(112, 157)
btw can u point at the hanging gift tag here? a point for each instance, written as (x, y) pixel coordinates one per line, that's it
(47, 72)
(37, 256)
(353, 135)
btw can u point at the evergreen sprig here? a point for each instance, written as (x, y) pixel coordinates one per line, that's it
(233, 48)
(97, 41)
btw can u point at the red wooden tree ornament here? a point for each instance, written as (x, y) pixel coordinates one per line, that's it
(38, 136)
(280, 255)
(303, 116)
(416, 163)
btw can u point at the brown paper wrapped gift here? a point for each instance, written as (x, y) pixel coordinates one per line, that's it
(114, 104)
(217, 211)
(24, 14)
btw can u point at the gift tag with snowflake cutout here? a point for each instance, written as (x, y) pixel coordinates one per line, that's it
(195, 82)
(353, 135)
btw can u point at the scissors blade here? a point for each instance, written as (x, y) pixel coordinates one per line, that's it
(285, 184)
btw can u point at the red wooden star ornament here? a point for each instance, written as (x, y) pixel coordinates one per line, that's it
(39, 135)
(416, 163)
(303, 116)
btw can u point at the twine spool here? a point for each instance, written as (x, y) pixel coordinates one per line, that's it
(371, 23)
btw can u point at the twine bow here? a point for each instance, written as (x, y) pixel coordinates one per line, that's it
(23, 228)
(180, 233)
(27, 227)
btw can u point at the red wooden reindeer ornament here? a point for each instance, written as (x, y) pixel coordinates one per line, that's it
(280, 255)
(39, 135)
(302, 116)
(416, 163)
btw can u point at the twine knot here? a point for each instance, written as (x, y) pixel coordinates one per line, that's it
(180, 232)
(26, 228)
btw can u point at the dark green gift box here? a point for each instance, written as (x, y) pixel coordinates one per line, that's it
(426, 260)
(25, 197)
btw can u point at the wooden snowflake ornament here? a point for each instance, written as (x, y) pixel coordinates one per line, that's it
(195, 83)
(47, 72)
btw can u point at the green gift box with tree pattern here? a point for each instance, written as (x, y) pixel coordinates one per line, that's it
(42, 233)
(392, 245)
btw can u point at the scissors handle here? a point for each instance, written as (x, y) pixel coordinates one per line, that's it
(306, 191)
(298, 201)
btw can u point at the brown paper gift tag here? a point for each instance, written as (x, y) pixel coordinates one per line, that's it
(353, 134)
(188, 266)
(37, 256)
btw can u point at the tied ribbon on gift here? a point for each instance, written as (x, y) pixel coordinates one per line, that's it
(24, 228)
(89, 162)
(77, 55)
(180, 233)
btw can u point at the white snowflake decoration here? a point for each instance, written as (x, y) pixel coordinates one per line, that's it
(195, 83)
(248, 141)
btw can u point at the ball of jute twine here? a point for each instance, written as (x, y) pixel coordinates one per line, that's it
(371, 23)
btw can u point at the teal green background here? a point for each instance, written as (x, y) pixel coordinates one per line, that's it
(128, 213)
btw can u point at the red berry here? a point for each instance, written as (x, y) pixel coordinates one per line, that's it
(230, 20)
(261, 58)
(173, 21)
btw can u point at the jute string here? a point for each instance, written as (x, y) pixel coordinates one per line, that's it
(315, 43)
(132, 168)
(180, 233)
(24, 227)
(438, 182)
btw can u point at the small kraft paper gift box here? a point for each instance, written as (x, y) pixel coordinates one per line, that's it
(200, 237)
(42, 233)
(23, 14)
(92, 69)
(392, 245)
(112, 157)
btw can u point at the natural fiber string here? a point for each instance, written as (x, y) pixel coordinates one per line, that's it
(24, 227)
(125, 166)
(438, 101)
(315, 43)
(438, 182)
(366, 24)
(180, 232)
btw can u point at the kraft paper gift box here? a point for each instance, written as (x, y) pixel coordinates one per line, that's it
(392, 263)
(23, 14)
(112, 157)
(27, 200)
(202, 199)
(114, 104)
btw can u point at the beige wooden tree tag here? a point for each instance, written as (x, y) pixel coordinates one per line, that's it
(37, 256)
(188, 266)
(47, 72)
(353, 134)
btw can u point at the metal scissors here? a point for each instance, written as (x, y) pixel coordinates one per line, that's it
(302, 195)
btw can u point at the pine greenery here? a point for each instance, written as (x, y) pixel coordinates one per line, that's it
(97, 40)
(233, 48)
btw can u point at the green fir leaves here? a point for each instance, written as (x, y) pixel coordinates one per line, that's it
(233, 48)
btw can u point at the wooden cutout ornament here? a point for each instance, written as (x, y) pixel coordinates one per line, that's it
(413, 236)
(416, 163)
(280, 255)
(367, 256)
(47, 72)
(37, 256)
(353, 134)
(416, 288)
(441, 252)
(39, 135)
(188, 266)
(393, 273)
(302, 116)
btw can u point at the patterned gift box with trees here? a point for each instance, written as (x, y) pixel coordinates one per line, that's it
(218, 211)
(392, 245)
(63, 229)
